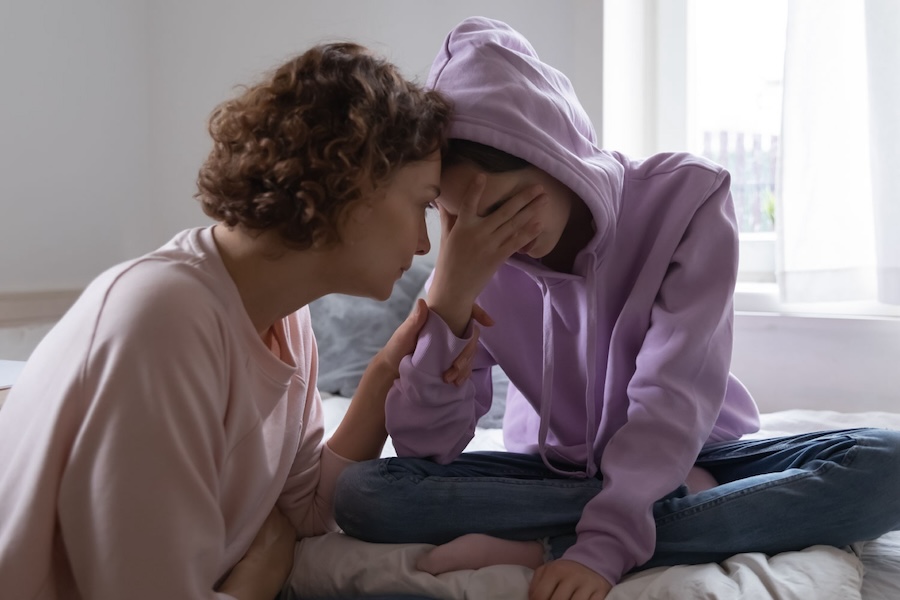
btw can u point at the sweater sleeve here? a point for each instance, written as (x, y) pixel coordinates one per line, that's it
(674, 396)
(427, 417)
(138, 500)
(308, 496)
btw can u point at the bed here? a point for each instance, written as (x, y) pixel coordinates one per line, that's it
(336, 565)
(350, 330)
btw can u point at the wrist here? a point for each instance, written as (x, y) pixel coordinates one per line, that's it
(253, 579)
(454, 309)
(382, 368)
(452, 304)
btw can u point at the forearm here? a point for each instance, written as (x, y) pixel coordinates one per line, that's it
(252, 579)
(453, 307)
(361, 433)
(426, 416)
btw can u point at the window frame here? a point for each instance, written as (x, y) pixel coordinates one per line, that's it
(654, 33)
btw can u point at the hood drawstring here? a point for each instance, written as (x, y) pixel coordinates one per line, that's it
(591, 433)
(546, 400)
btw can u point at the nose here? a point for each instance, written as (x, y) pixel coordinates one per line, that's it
(424, 244)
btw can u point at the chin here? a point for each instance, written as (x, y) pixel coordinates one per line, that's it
(384, 292)
(383, 297)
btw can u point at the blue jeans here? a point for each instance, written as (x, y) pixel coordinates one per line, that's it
(289, 594)
(774, 495)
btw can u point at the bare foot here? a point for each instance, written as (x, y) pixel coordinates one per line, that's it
(477, 550)
(699, 479)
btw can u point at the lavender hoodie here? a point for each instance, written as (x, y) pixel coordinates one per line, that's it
(621, 367)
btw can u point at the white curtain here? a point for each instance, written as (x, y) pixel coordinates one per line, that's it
(838, 219)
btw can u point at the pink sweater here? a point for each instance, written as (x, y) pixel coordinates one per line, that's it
(152, 431)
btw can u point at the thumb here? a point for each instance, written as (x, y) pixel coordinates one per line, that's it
(420, 310)
(447, 222)
(469, 206)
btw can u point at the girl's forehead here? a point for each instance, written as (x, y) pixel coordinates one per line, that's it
(457, 180)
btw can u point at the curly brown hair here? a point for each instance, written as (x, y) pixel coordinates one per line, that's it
(295, 151)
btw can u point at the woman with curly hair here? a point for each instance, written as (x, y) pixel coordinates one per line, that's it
(157, 425)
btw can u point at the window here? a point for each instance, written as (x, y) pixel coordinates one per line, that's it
(735, 63)
(707, 76)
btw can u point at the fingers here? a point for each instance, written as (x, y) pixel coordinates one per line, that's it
(550, 588)
(417, 317)
(447, 222)
(523, 200)
(517, 238)
(515, 223)
(403, 341)
(419, 312)
(522, 227)
(461, 369)
(468, 208)
(541, 587)
(481, 316)
(566, 580)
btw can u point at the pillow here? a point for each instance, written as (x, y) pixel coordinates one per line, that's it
(493, 419)
(350, 330)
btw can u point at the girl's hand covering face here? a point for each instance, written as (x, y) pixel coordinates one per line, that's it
(474, 246)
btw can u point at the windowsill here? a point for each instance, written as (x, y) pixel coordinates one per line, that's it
(752, 297)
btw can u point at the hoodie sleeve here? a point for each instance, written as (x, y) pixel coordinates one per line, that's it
(674, 396)
(427, 417)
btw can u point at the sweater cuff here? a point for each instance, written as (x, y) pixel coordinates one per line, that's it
(437, 346)
(331, 465)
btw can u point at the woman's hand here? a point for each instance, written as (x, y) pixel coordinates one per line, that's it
(473, 247)
(361, 433)
(461, 368)
(567, 580)
(265, 567)
(403, 343)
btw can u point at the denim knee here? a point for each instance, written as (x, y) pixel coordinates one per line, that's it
(879, 462)
(367, 504)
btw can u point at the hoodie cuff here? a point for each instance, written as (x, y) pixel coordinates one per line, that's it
(614, 560)
(437, 346)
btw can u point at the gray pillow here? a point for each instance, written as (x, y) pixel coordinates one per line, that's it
(350, 330)
(493, 419)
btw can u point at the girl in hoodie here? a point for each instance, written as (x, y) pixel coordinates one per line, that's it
(154, 429)
(614, 325)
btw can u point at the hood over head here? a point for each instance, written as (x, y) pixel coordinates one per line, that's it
(505, 97)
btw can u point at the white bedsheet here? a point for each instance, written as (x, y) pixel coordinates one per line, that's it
(337, 565)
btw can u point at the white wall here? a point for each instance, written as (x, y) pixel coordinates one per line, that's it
(105, 105)
(817, 362)
(73, 139)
